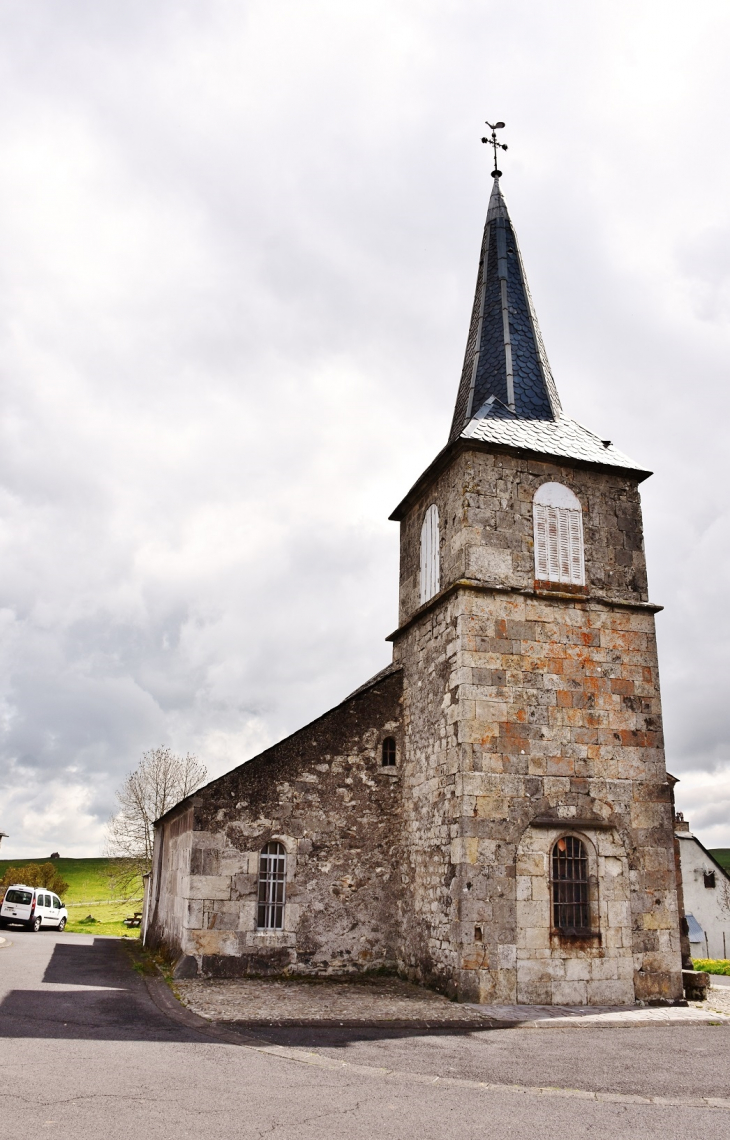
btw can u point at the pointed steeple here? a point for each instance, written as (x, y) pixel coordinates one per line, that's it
(506, 373)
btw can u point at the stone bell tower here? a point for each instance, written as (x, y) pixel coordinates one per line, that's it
(538, 846)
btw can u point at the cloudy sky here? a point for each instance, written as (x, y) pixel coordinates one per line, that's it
(238, 246)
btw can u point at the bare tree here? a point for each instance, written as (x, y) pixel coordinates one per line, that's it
(160, 780)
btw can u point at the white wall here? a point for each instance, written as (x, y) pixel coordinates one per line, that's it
(711, 907)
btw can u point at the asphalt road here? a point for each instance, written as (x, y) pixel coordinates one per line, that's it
(85, 1051)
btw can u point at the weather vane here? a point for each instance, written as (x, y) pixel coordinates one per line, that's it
(495, 145)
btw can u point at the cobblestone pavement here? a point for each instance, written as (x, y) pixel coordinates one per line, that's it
(258, 1001)
(718, 1000)
(389, 1000)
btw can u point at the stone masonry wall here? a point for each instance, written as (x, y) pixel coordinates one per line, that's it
(324, 794)
(485, 514)
(430, 950)
(522, 709)
(171, 861)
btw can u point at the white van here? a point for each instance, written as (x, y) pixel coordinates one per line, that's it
(32, 907)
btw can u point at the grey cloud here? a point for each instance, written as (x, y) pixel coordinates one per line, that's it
(239, 247)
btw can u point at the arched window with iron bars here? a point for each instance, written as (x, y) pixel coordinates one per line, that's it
(571, 902)
(272, 887)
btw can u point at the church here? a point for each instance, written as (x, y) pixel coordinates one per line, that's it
(490, 815)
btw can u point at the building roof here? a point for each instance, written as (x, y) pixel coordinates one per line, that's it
(507, 394)
(382, 675)
(374, 680)
(687, 835)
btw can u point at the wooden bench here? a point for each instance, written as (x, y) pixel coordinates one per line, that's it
(134, 920)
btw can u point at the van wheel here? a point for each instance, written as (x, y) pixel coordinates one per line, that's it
(61, 925)
(36, 924)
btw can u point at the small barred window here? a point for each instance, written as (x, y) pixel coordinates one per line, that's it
(571, 908)
(558, 525)
(430, 568)
(389, 752)
(272, 887)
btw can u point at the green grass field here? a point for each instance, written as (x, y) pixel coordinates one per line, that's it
(722, 854)
(90, 892)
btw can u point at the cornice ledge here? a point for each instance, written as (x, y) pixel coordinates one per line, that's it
(571, 823)
(494, 588)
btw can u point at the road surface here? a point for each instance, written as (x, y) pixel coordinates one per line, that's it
(86, 1052)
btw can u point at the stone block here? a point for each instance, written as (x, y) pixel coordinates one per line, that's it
(540, 889)
(194, 915)
(566, 992)
(532, 863)
(220, 920)
(535, 981)
(577, 969)
(492, 807)
(535, 937)
(206, 887)
(464, 850)
(212, 942)
(533, 915)
(524, 888)
(506, 956)
(488, 564)
(609, 993)
(204, 861)
(618, 914)
(604, 970)
(238, 863)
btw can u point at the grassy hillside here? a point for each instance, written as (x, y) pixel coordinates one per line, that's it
(722, 854)
(90, 892)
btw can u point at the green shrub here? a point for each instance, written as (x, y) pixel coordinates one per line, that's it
(34, 875)
(712, 965)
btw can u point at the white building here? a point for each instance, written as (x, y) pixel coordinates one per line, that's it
(706, 889)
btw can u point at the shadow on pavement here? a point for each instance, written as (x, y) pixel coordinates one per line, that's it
(112, 1002)
(116, 1006)
(100, 964)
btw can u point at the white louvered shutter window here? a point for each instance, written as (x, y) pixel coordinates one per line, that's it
(558, 522)
(430, 568)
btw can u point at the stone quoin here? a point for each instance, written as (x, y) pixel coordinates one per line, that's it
(490, 814)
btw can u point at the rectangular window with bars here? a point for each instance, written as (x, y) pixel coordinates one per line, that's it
(272, 887)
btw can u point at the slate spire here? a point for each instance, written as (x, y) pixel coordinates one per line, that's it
(506, 372)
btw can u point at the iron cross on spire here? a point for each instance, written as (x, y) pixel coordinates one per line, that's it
(495, 145)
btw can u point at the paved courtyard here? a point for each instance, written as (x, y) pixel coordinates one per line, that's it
(89, 1046)
(389, 1001)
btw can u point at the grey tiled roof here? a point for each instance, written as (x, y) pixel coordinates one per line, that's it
(562, 437)
(380, 676)
(485, 363)
(503, 325)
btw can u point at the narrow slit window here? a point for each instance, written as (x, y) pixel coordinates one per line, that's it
(571, 907)
(388, 758)
(430, 567)
(558, 525)
(272, 887)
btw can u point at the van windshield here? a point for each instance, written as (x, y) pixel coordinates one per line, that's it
(23, 897)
